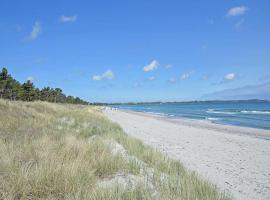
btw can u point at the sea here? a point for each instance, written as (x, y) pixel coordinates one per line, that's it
(253, 113)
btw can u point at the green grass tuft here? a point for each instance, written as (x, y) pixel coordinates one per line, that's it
(54, 151)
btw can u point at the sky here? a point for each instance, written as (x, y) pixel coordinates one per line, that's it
(122, 51)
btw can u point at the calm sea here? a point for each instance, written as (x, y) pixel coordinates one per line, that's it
(254, 114)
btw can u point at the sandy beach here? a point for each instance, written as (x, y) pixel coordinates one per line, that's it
(236, 159)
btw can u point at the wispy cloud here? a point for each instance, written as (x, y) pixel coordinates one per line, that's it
(261, 91)
(168, 66)
(239, 23)
(205, 77)
(106, 86)
(137, 84)
(204, 46)
(172, 80)
(236, 11)
(264, 77)
(19, 28)
(151, 66)
(64, 18)
(211, 21)
(186, 75)
(151, 78)
(107, 75)
(36, 31)
(40, 60)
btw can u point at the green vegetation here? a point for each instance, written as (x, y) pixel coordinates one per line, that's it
(12, 89)
(65, 151)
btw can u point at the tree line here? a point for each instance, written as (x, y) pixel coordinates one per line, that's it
(12, 89)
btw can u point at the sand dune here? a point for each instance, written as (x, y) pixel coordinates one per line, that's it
(236, 159)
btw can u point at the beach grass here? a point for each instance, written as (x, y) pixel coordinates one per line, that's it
(61, 151)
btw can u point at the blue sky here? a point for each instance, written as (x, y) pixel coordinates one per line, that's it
(118, 51)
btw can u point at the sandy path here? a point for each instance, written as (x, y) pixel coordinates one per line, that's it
(230, 157)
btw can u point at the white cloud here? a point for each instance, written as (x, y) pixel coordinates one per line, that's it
(137, 84)
(152, 78)
(168, 66)
(40, 61)
(229, 77)
(186, 75)
(238, 10)
(152, 66)
(105, 76)
(172, 80)
(239, 23)
(30, 78)
(205, 77)
(71, 18)
(36, 30)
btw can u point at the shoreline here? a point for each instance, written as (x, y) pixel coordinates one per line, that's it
(235, 159)
(205, 124)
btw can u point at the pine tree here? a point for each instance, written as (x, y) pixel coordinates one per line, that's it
(12, 89)
(29, 93)
(45, 94)
(3, 82)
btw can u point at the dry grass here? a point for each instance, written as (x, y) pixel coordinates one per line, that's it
(47, 151)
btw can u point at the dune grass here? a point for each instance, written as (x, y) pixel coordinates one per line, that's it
(54, 151)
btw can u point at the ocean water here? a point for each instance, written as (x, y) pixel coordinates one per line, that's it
(254, 114)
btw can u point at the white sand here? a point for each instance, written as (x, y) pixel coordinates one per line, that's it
(236, 159)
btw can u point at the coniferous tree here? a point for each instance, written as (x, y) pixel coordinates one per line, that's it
(12, 89)
(37, 94)
(16, 90)
(60, 97)
(29, 92)
(9, 87)
(45, 94)
(3, 83)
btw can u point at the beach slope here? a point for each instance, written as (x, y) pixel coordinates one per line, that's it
(236, 159)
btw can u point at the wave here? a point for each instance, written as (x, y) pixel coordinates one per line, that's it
(258, 112)
(158, 113)
(155, 113)
(220, 112)
(212, 118)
